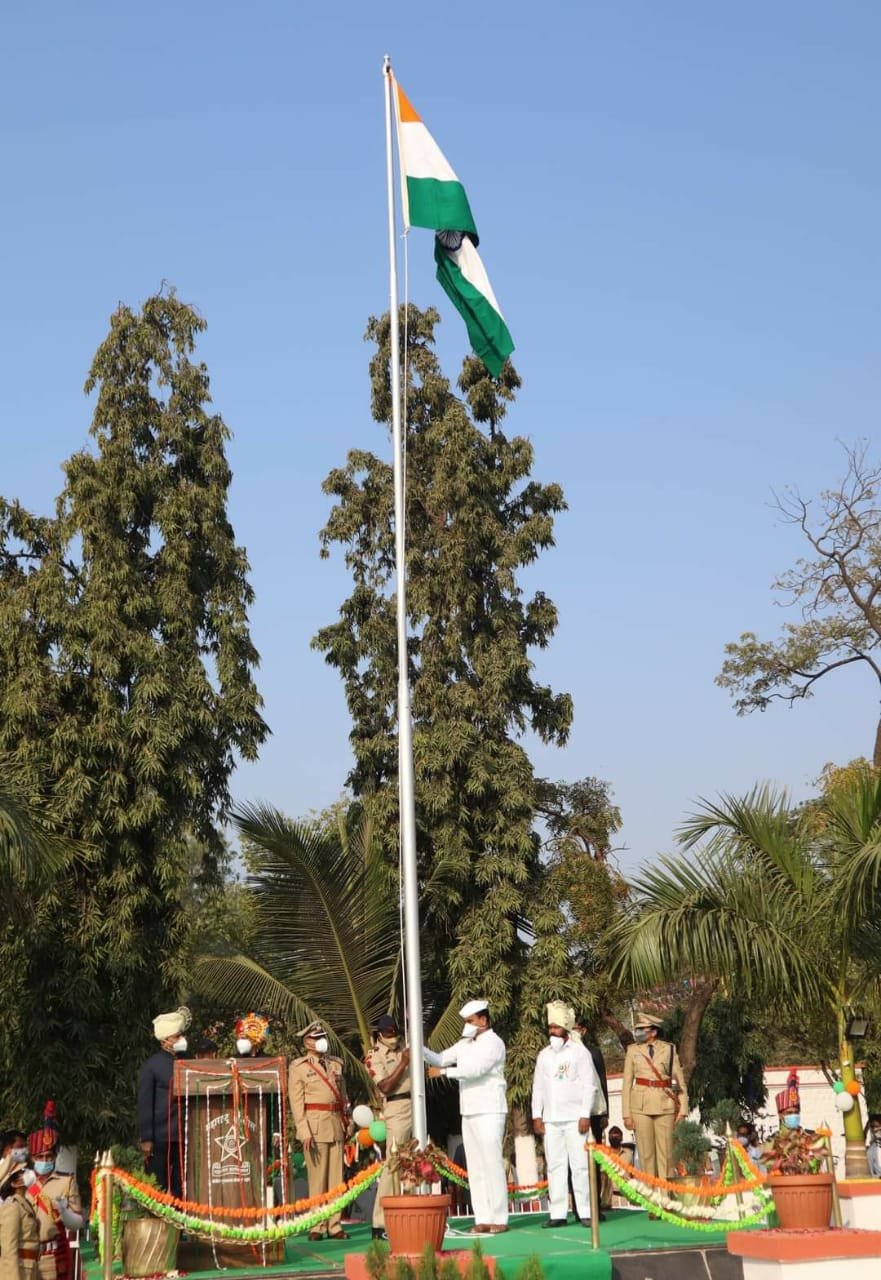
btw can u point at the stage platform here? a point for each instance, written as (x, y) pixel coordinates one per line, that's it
(631, 1248)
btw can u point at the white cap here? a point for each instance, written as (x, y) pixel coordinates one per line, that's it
(560, 1015)
(472, 1007)
(172, 1024)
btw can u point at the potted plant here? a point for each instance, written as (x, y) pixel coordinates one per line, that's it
(412, 1220)
(691, 1146)
(798, 1180)
(149, 1245)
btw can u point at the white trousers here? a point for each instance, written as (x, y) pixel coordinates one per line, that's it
(564, 1151)
(488, 1187)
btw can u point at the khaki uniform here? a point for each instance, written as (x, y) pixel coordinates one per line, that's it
(383, 1061)
(649, 1096)
(19, 1239)
(52, 1230)
(317, 1094)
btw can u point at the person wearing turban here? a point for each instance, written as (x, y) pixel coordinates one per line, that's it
(157, 1118)
(789, 1103)
(55, 1197)
(565, 1094)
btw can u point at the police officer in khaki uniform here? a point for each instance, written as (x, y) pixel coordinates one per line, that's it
(317, 1092)
(19, 1228)
(389, 1064)
(653, 1095)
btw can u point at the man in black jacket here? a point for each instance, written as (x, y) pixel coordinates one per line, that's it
(157, 1119)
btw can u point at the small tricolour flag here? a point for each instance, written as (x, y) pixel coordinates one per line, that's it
(434, 197)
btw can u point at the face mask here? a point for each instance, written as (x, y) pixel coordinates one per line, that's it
(243, 1046)
(29, 1177)
(640, 1035)
(792, 1122)
(876, 1136)
(391, 1041)
(556, 1043)
(42, 1167)
(19, 1154)
(321, 1044)
(180, 1045)
(469, 1031)
(742, 1139)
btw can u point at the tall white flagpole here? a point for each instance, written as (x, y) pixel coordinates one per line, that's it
(406, 786)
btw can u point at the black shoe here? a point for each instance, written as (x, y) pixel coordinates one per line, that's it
(585, 1222)
(554, 1222)
(379, 1234)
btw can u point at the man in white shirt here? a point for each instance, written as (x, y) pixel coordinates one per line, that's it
(477, 1061)
(565, 1094)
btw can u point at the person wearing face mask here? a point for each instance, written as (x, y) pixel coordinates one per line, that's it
(788, 1102)
(157, 1118)
(477, 1061)
(55, 1197)
(19, 1227)
(252, 1036)
(653, 1095)
(317, 1093)
(874, 1151)
(15, 1143)
(389, 1064)
(565, 1094)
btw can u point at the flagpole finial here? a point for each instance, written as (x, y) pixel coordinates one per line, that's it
(386, 64)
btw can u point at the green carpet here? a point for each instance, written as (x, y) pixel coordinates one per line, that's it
(565, 1252)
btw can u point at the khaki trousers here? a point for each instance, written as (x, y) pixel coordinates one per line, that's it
(399, 1128)
(324, 1170)
(654, 1143)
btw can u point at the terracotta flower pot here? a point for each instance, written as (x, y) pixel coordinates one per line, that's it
(802, 1200)
(412, 1222)
(149, 1247)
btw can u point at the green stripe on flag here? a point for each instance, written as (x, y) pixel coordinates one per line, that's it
(442, 206)
(487, 331)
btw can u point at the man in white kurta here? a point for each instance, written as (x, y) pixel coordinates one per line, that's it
(565, 1094)
(477, 1061)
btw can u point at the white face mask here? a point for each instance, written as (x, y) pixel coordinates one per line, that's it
(29, 1177)
(321, 1044)
(243, 1046)
(469, 1031)
(180, 1045)
(556, 1043)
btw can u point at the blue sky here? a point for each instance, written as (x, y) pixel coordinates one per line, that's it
(679, 211)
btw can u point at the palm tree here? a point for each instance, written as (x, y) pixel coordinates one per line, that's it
(779, 902)
(327, 934)
(31, 852)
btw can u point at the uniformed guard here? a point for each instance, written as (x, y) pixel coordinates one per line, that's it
(56, 1198)
(389, 1064)
(653, 1095)
(19, 1228)
(320, 1108)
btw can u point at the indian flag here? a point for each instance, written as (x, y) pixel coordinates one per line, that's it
(434, 197)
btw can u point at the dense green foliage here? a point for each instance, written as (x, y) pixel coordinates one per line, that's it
(475, 519)
(127, 686)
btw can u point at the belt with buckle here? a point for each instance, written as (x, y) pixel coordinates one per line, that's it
(324, 1106)
(653, 1084)
(29, 1255)
(396, 1097)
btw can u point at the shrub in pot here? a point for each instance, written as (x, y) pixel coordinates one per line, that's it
(691, 1146)
(413, 1220)
(149, 1245)
(798, 1180)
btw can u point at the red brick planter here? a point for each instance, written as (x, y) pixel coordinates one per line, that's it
(802, 1201)
(412, 1222)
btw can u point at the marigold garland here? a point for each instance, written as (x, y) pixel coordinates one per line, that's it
(678, 1219)
(157, 1203)
(231, 1211)
(712, 1192)
(449, 1169)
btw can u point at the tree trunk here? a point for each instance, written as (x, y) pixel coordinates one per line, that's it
(623, 1033)
(856, 1160)
(525, 1159)
(876, 757)
(702, 993)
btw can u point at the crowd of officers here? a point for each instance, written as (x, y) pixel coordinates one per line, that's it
(40, 1204)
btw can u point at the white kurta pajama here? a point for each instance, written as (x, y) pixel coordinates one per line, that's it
(565, 1089)
(479, 1066)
